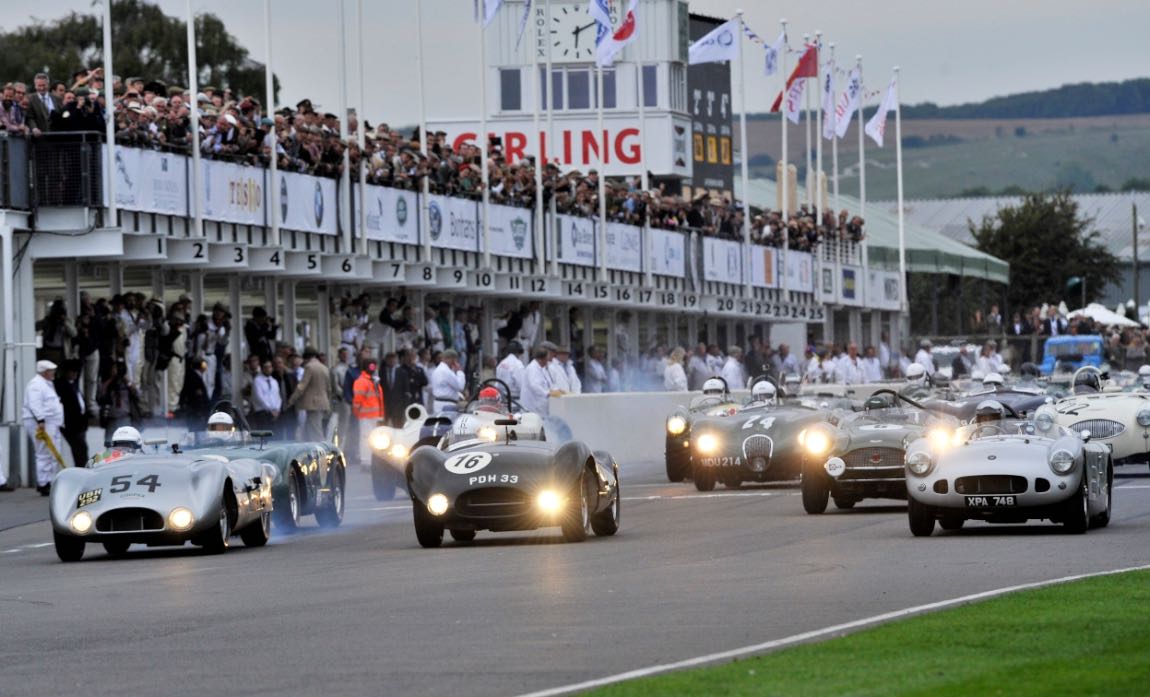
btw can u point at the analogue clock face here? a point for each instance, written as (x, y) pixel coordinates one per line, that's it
(572, 33)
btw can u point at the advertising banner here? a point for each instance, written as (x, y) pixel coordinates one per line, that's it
(764, 266)
(667, 253)
(152, 182)
(575, 240)
(308, 203)
(883, 290)
(722, 260)
(800, 271)
(233, 193)
(509, 229)
(850, 289)
(453, 223)
(624, 247)
(392, 215)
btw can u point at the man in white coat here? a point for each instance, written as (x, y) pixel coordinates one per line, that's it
(448, 383)
(849, 368)
(44, 412)
(924, 357)
(537, 385)
(562, 370)
(733, 371)
(510, 369)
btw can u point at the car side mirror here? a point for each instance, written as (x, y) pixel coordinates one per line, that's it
(1084, 435)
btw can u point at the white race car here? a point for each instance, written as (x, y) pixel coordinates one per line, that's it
(1121, 420)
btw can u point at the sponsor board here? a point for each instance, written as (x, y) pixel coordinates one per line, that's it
(453, 223)
(509, 230)
(151, 182)
(722, 260)
(392, 215)
(307, 203)
(233, 193)
(624, 247)
(667, 253)
(575, 239)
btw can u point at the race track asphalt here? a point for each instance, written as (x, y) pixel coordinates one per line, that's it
(364, 611)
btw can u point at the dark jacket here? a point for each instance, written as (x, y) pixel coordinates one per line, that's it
(74, 419)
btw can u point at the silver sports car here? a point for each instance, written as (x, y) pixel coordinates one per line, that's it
(1008, 471)
(158, 499)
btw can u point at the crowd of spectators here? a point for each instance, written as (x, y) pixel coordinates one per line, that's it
(150, 114)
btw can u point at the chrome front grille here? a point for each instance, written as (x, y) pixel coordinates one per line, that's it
(493, 502)
(874, 463)
(129, 520)
(991, 484)
(1100, 428)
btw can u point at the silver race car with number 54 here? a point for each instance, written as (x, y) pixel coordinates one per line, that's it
(158, 498)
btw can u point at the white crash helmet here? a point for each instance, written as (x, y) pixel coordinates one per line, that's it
(989, 411)
(763, 391)
(915, 372)
(1144, 375)
(993, 379)
(127, 437)
(221, 422)
(714, 386)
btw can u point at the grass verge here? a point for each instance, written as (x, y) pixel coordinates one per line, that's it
(1089, 637)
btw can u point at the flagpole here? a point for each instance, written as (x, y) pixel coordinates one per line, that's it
(901, 223)
(483, 137)
(644, 182)
(601, 136)
(551, 237)
(273, 157)
(743, 159)
(194, 90)
(862, 164)
(834, 140)
(425, 188)
(537, 238)
(109, 119)
(785, 173)
(360, 135)
(341, 133)
(807, 126)
(819, 130)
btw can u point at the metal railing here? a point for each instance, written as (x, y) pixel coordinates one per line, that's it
(66, 170)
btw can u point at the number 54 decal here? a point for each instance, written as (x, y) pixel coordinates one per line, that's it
(123, 482)
(765, 422)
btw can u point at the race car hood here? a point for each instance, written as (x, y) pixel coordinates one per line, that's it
(1004, 454)
(528, 465)
(782, 423)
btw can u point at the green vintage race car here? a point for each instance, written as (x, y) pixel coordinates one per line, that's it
(311, 476)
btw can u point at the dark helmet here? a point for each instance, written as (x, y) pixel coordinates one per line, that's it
(1086, 382)
(989, 410)
(1029, 370)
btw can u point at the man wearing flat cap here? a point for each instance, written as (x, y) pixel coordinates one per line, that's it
(43, 416)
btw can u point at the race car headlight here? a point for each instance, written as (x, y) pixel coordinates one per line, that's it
(487, 433)
(1061, 461)
(707, 444)
(379, 440)
(437, 504)
(398, 451)
(817, 443)
(940, 438)
(549, 502)
(1143, 417)
(82, 522)
(919, 462)
(181, 519)
(1044, 421)
(676, 425)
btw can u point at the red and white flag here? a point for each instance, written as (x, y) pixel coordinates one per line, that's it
(808, 66)
(795, 100)
(829, 102)
(876, 127)
(848, 103)
(617, 40)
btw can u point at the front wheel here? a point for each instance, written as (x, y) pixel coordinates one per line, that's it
(704, 479)
(463, 535)
(1103, 519)
(217, 540)
(116, 548)
(606, 523)
(577, 520)
(921, 518)
(288, 515)
(951, 523)
(330, 514)
(678, 461)
(816, 492)
(1076, 514)
(428, 529)
(845, 503)
(257, 532)
(68, 548)
(383, 482)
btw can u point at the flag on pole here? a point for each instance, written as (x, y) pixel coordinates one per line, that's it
(721, 44)
(848, 103)
(773, 52)
(876, 127)
(490, 9)
(795, 100)
(610, 43)
(523, 22)
(829, 102)
(808, 66)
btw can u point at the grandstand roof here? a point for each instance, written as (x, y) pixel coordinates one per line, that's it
(927, 251)
(1111, 214)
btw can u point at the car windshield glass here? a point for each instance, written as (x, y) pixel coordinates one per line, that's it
(708, 401)
(215, 439)
(1010, 427)
(903, 417)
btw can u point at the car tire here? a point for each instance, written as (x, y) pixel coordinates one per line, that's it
(383, 482)
(330, 514)
(116, 548)
(257, 533)
(816, 493)
(1103, 519)
(462, 535)
(68, 548)
(1076, 512)
(921, 518)
(428, 530)
(287, 516)
(577, 518)
(606, 523)
(951, 523)
(733, 483)
(704, 479)
(678, 461)
(845, 503)
(217, 540)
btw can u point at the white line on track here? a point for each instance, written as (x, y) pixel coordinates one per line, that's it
(719, 495)
(816, 634)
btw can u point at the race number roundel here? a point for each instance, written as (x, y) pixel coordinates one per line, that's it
(467, 463)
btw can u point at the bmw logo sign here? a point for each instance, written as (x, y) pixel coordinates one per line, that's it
(318, 205)
(435, 220)
(283, 199)
(401, 211)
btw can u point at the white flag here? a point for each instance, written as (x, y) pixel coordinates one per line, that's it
(490, 9)
(773, 52)
(829, 102)
(721, 44)
(848, 102)
(616, 40)
(876, 127)
(794, 105)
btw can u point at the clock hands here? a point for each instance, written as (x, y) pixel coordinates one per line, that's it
(580, 30)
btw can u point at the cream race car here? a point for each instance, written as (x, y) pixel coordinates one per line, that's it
(1121, 420)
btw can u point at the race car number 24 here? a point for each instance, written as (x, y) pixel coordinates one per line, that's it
(467, 463)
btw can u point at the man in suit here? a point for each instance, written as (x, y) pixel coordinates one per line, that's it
(409, 378)
(392, 399)
(1053, 325)
(1018, 330)
(41, 105)
(312, 396)
(75, 419)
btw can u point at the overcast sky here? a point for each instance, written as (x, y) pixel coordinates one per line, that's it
(949, 52)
